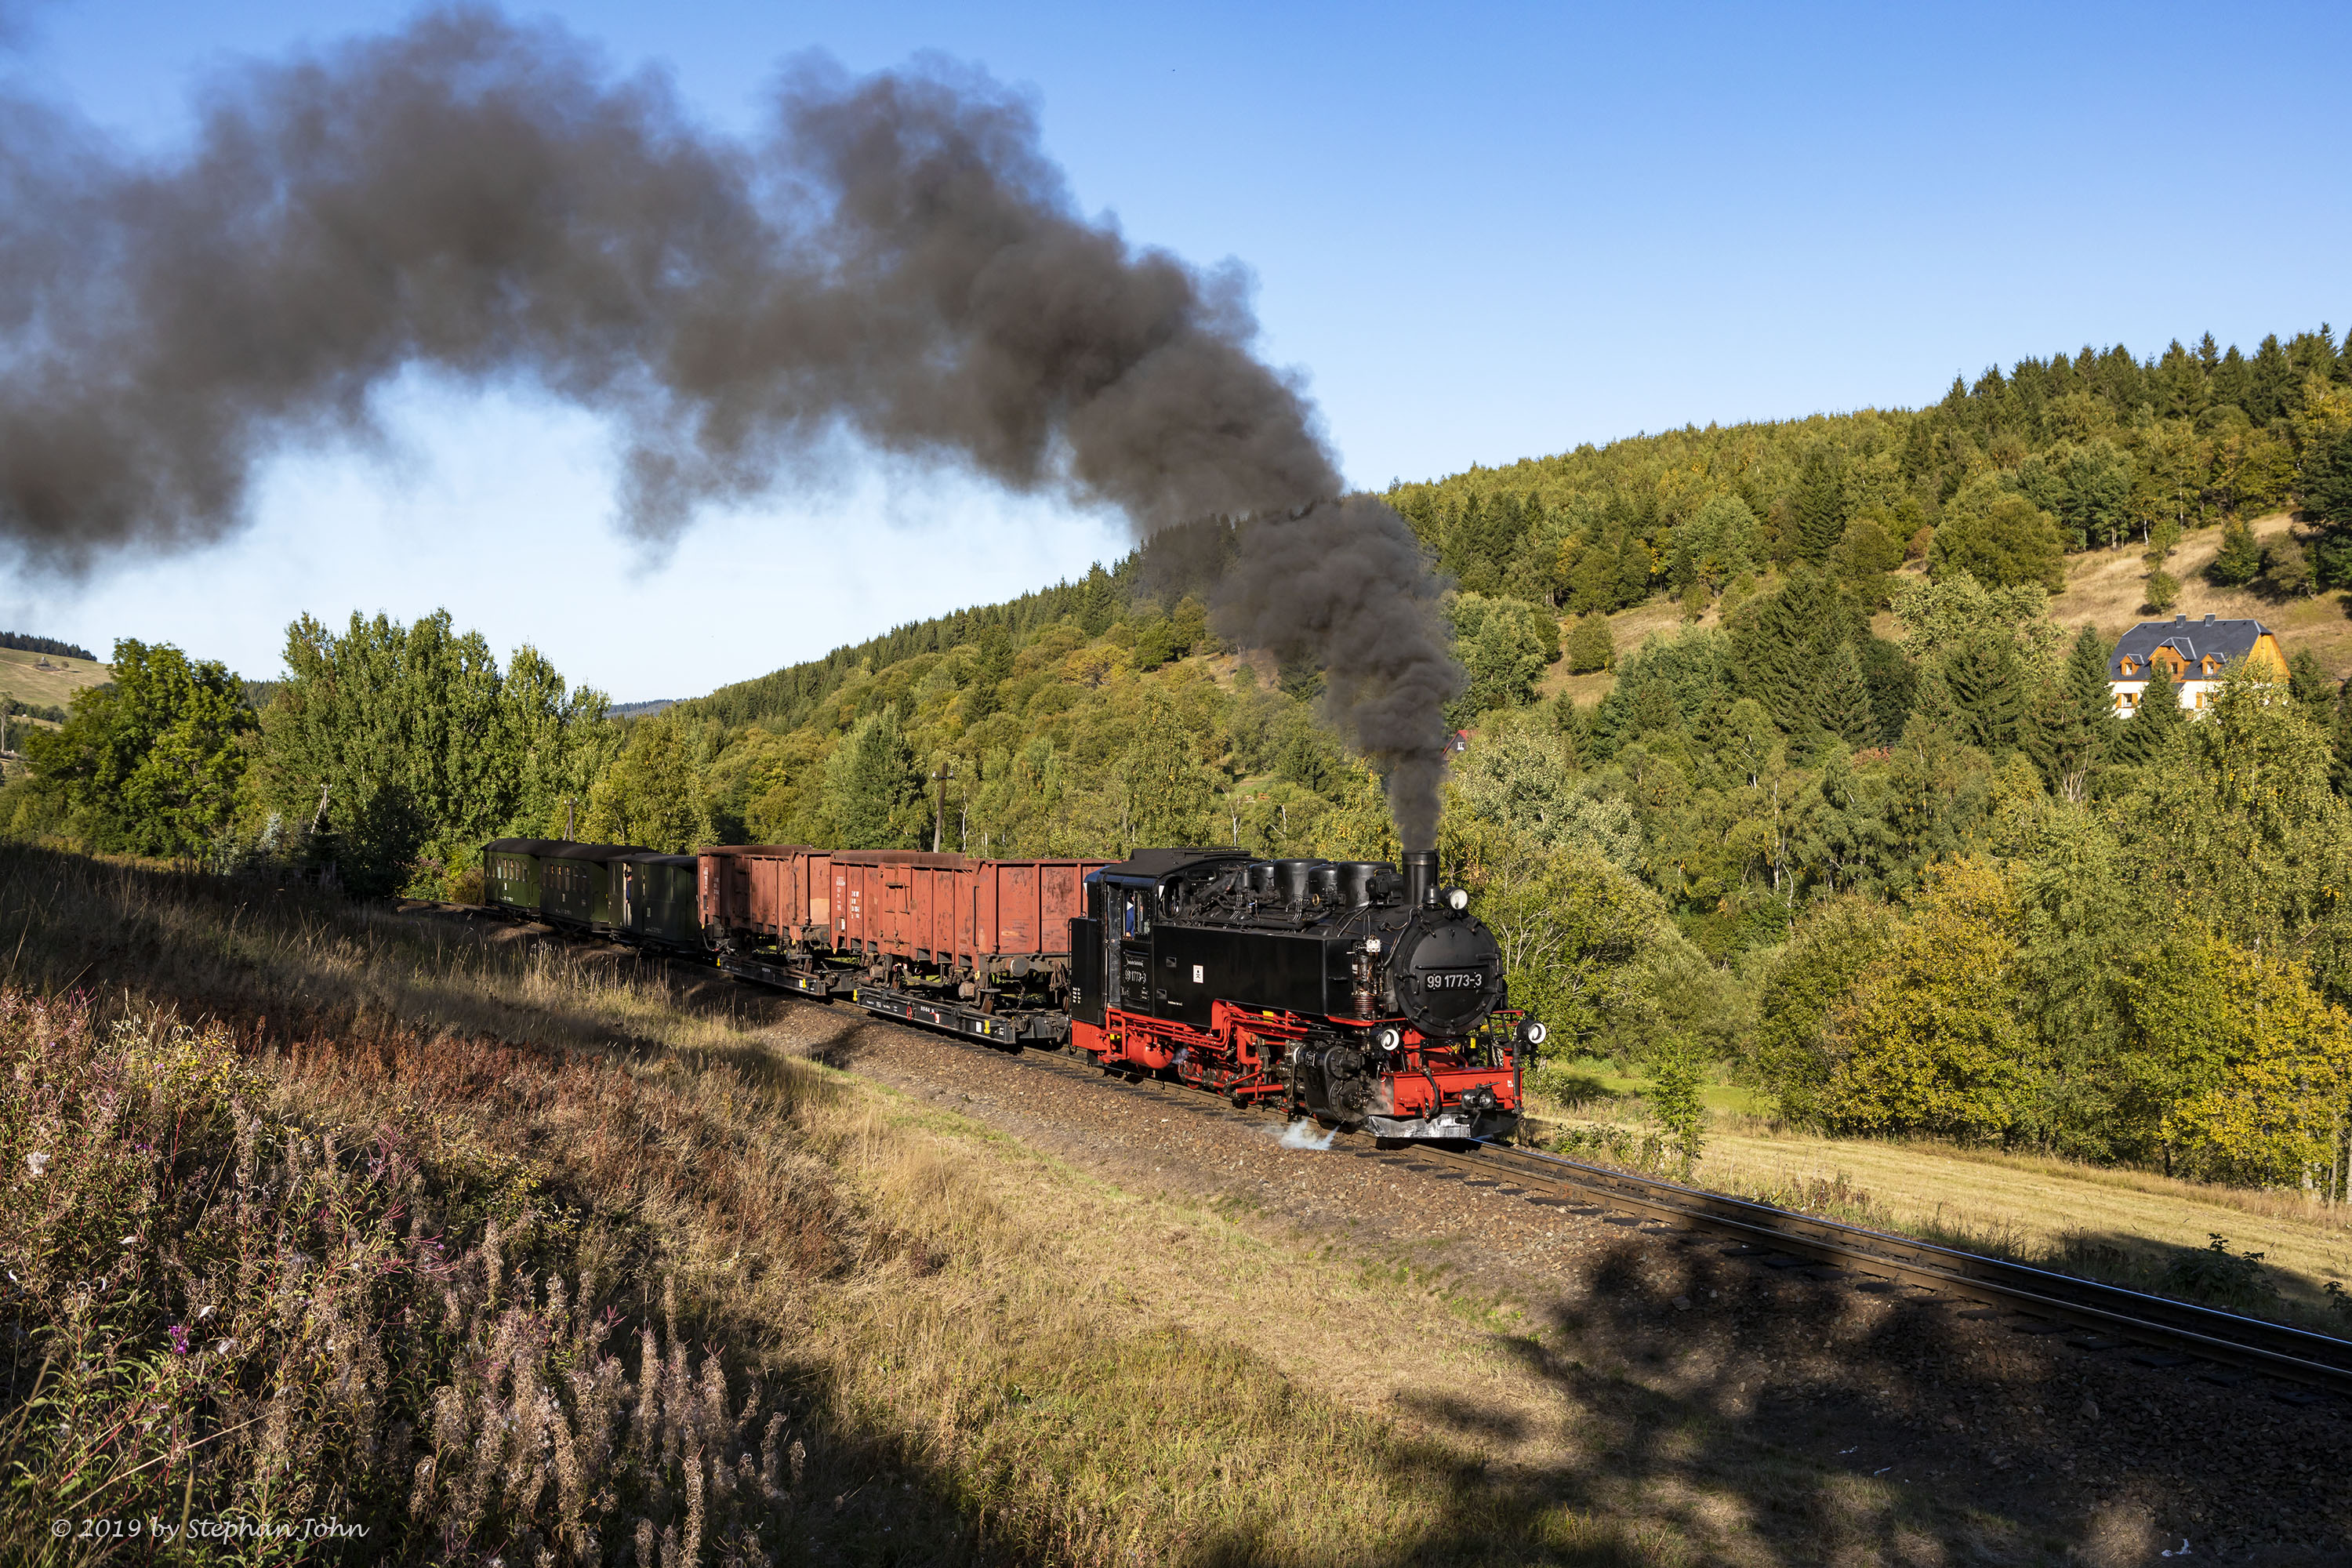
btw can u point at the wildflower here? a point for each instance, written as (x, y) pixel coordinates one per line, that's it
(129, 1239)
(36, 1162)
(223, 1347)
(203, 1314)
(179, 1332)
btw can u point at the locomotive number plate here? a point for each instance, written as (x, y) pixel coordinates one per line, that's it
(1455, 980)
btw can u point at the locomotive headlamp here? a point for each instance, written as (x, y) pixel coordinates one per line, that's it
(1457, 899)
(1533, 1032)
(1388, 1039)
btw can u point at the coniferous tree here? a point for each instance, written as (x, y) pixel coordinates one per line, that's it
(2241, 559)
(2180, 381)
(2156, 718)
(2311, 688)
(2273, 383)
(1818, 507)
(1987, 694)
(1634, 564)
(2326, 479)
(1893, 679)
(2232, 383)
(1099, 605)
(2074, 722)
(1841, 700)
(1782, 652)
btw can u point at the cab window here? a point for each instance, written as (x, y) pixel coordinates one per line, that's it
(1137, 920)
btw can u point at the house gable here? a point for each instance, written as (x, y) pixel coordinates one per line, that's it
(2193, 650)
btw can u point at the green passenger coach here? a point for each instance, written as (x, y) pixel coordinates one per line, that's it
(658, 898)
(511, 872)
(616, 887)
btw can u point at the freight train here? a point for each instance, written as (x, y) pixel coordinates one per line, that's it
(1363, 997)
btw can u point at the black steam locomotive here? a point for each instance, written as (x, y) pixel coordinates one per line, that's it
(1363, 997)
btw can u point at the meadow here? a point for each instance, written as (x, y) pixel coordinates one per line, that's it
(2134, 1228)
(504, 1249)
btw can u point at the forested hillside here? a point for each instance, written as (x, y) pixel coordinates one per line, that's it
(1858, 818)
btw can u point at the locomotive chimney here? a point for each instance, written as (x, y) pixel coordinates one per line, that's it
(1419, 878)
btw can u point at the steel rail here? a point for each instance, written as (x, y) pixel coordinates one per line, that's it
(1958, 1277)
(2251, 1344)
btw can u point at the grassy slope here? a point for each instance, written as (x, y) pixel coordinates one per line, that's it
(2104, 588)
(2032, 1206)
(49, 688)
(977, 1336)
(2120, 1225)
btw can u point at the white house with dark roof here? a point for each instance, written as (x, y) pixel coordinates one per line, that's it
(2195, 654)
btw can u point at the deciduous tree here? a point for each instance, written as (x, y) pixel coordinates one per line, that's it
(152, 761)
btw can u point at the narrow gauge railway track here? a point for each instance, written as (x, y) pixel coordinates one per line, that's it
(2157, 1331)
(2154, 1330)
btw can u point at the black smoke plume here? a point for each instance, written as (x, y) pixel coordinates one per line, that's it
(898, 262)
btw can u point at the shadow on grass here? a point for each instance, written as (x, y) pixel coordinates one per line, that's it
(1793, 1416)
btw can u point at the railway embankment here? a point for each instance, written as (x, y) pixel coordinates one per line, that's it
(1002, 1308)
(2030, 1442)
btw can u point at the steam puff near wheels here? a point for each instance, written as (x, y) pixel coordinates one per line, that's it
(1352, 993)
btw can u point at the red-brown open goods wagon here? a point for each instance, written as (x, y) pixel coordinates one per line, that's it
(983, 945)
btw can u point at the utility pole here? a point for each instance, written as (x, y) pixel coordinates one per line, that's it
(943, 772)
(319, 817)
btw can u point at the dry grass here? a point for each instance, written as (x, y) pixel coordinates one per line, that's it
(52, 688)
(2107, 588)
(634, 1286)
(1630, 627)
(2124, 1226)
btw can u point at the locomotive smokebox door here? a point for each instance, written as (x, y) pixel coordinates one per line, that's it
(1447, 971)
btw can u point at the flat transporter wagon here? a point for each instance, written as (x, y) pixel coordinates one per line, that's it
(981, 947)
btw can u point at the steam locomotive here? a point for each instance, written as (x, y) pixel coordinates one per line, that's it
(1339, 990)
(1345, 991)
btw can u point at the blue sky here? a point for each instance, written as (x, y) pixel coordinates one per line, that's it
(1481, 232)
